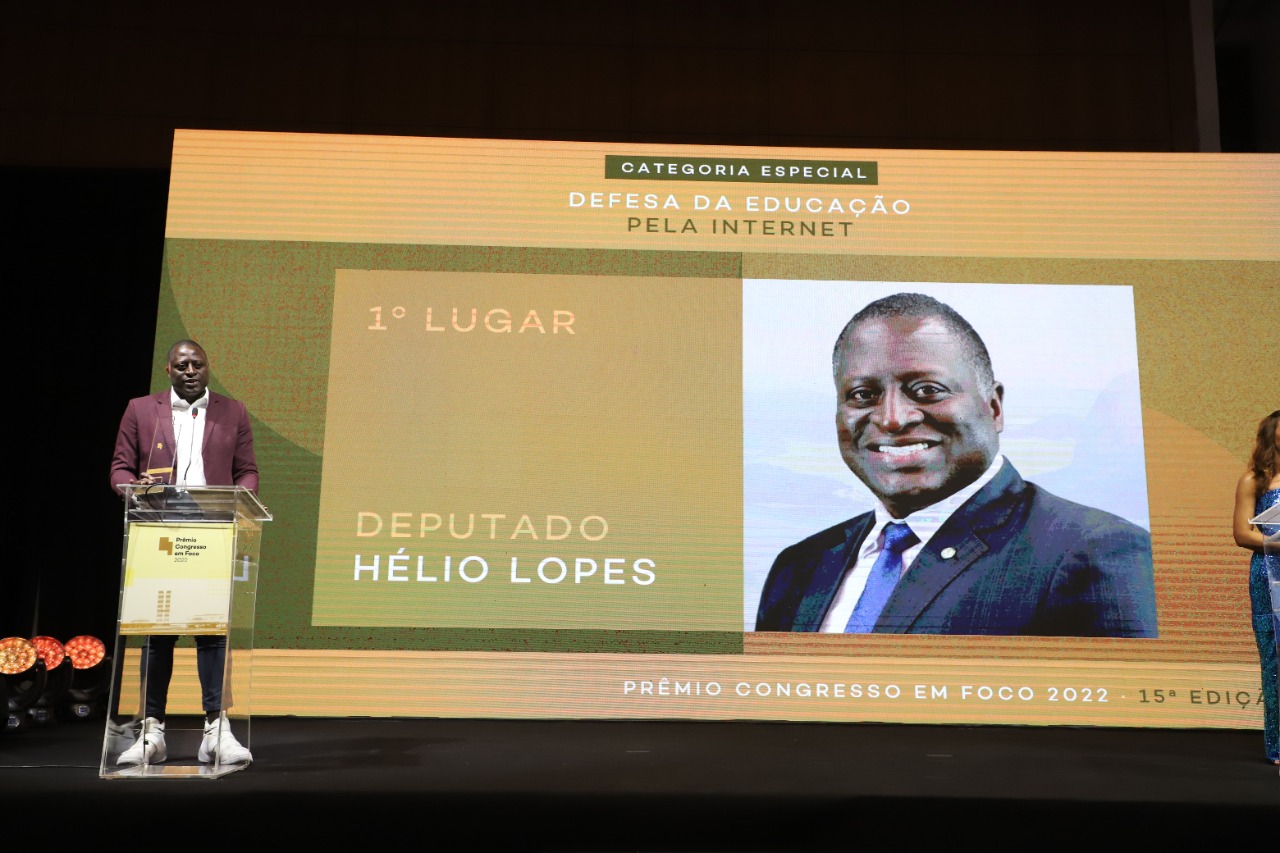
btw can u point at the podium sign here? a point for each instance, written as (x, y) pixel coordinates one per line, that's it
(189, 568)
(176, 579)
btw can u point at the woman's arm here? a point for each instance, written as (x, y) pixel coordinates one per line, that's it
(1247, 536)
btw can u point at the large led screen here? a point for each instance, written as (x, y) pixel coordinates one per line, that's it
(581, 430)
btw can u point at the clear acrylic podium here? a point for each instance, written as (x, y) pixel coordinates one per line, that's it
(1268, 524)
(189, 567)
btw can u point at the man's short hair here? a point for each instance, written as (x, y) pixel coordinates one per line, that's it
(921, 306)
(176, 344)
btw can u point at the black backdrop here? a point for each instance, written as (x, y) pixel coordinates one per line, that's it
(83, 267)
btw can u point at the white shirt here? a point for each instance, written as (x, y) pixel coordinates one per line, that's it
(188, 438)
(924, 524)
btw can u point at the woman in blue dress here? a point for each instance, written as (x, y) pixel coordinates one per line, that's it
(1258, 490)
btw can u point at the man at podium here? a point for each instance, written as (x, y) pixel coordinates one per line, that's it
(185, 436)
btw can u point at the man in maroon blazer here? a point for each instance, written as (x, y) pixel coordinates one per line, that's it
(145, 443)
(186, 436)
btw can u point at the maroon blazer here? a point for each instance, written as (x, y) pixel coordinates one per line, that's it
(145, 440)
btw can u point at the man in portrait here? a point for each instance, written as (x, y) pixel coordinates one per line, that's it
(958, 542)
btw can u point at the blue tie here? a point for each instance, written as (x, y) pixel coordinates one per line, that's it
(884, 577)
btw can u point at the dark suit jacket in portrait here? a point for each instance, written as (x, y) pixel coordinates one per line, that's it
(1018, 561)
(145, 440)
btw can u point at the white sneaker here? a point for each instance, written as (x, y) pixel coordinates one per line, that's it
(119, 736)
(219, 741)
(149, 748)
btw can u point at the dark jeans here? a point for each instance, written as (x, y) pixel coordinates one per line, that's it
(157, 670)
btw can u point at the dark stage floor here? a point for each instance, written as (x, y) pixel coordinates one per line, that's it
(395, 784)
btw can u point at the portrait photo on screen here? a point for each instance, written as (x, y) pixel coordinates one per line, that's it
(944, 458)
